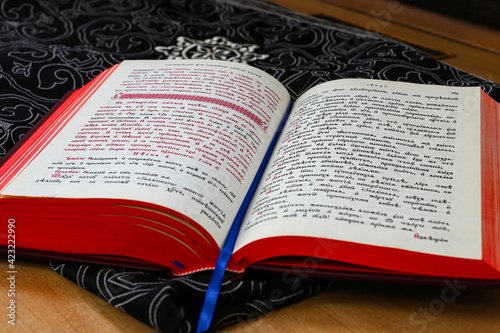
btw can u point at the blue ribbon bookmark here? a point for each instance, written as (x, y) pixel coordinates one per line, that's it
(220, 267)
(212, 294)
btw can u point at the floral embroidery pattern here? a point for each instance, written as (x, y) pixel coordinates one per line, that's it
(218, 48)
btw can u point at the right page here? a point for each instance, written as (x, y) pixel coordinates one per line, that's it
(388, 164)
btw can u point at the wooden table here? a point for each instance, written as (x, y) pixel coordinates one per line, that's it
(47, 302)
(473, 48)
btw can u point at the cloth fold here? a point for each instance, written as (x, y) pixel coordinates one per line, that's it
(173, 305)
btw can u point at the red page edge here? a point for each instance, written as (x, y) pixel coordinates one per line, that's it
(32, 130)
(490, 179)
(30, 144)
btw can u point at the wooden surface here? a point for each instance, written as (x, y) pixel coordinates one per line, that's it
(47, 302)
(473, 48)
(369, 307)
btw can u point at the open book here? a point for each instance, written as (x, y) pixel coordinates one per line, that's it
(150, 162)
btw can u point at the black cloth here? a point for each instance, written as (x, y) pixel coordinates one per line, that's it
(174, 304)
(48, 47)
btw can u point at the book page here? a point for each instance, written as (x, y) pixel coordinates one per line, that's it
(187, 135)
(381, 163)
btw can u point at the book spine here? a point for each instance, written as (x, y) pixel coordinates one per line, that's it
(228, 247)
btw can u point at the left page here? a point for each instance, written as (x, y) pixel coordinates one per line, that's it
(186, 135)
